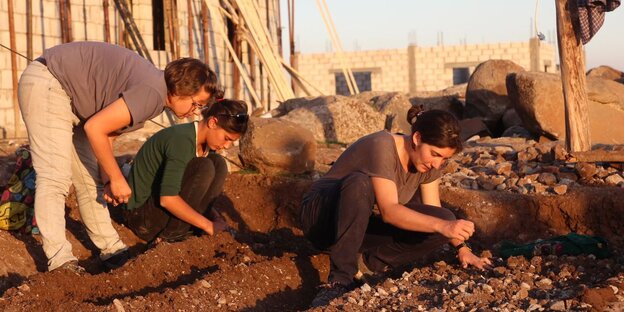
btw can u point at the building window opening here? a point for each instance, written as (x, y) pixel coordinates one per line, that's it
(460, 75)
(362, 80)
(158, 24)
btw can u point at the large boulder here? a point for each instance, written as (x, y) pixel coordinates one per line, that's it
(605, 72)
(343, 121)
(486, 94)
(451, 104)
(274, 146)
(310, 101)
(538, 99)
(392, 104)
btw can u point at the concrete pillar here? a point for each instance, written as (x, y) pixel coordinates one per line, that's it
(411, 67)
(534, 52)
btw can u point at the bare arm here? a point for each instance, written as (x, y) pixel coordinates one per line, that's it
(179, 208)
(404, 218)
(99, 128)
(430, 193)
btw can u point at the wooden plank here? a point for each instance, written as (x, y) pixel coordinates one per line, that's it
(205, 32)
(228, 45)
(572, 79)
(133, 30)
(107, 35)
(16, 111)
(191, 22)
(29, 30)
(598, 156)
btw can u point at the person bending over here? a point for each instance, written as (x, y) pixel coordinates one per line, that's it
(382, 171)
(75, 99)
(177, 176)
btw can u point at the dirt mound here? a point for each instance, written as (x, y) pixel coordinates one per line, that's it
(267, 265)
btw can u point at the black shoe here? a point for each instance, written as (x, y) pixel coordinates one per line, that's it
(116, 261)
(327, 293)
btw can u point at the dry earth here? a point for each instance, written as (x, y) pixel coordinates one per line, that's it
(268, 266)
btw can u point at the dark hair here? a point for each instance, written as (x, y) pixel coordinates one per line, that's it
(436, 127)
(186, 76)
(231, 115)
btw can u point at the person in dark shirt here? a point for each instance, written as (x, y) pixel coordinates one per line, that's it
(177, 176)
(361, 210)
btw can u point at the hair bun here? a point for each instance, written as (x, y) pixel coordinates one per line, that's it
(414, 112)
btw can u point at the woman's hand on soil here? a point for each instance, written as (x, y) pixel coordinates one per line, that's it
(466, 257)
(457, 229)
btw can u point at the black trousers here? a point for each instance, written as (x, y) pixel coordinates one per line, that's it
(202, 183)
(337, 215)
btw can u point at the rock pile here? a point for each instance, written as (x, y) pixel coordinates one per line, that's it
(526, 167)
(551, 283)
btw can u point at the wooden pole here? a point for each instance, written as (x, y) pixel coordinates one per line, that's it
(191, 22)
(62, 19)
(169, 23)
(236, 74)
(251, 59)
(176, 27)
(29, 30)
(572, 78)
(205, 32)
(16, 112)
(291, 39)
(107, 36)
(70, 36)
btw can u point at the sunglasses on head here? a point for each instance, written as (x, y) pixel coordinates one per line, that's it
(238, 117)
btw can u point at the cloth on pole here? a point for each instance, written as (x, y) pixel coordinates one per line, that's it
(591, 16)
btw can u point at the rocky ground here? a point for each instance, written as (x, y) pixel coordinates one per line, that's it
(510, 189)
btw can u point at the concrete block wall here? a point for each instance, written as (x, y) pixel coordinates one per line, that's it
(387, 68)
(88, 24)
(431, 68)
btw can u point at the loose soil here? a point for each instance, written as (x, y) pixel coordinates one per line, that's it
(266, 264)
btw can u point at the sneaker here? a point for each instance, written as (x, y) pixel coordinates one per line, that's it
(327, 293)
(73, 267)
(116, 261)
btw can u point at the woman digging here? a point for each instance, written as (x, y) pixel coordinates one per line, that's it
(382, 171)
(177, 176)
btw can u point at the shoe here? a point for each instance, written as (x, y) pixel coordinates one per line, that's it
(364, 273)
(73, 267)
(327, 293)
(116, 261)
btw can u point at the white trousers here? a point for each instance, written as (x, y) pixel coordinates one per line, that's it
(62, 155)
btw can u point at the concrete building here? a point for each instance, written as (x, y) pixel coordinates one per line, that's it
(88, 23)
(419, 68)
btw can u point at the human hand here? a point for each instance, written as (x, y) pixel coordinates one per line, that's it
(218, 223)
(457, 229)
(117, 192)
(466, 257)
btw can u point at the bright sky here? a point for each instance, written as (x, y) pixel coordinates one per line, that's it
(392, 24)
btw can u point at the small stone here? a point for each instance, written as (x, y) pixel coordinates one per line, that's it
(365, 288)
(352, 300)
(222, 301)
(118, 305)
(534, 307)
(488, 289)
(560, 189)
(382, 292)
(24, 288)
(558, 306)
(547, 178)
(205, 283)
(614, 179)
(394, 289)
